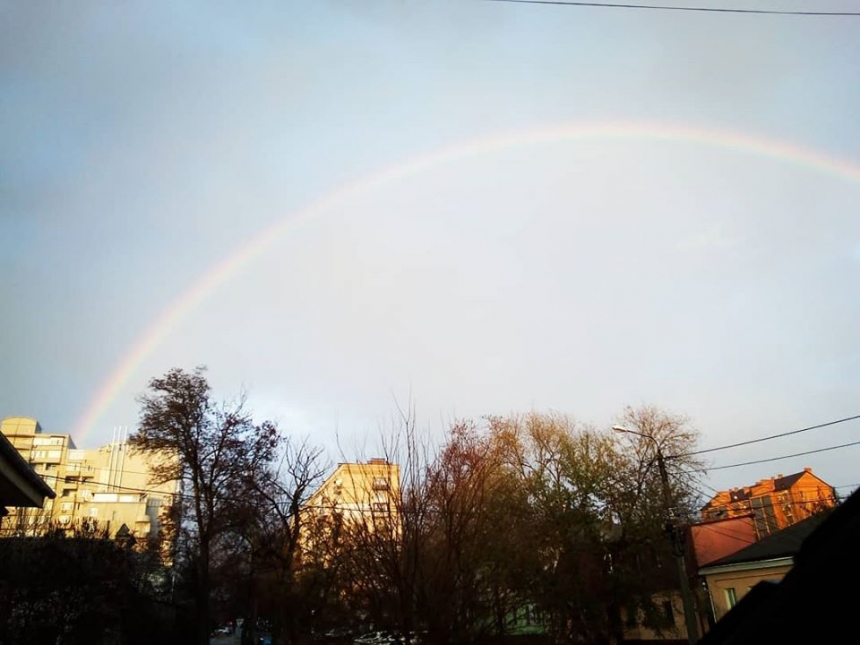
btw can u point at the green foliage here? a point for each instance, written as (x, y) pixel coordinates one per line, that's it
(533, 511)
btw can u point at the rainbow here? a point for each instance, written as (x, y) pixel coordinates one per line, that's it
(265, 239)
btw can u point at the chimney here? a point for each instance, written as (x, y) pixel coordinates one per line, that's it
(807, 469)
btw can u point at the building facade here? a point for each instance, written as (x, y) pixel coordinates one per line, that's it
(358, 492)
(96, 490)
(357, 503)
(775, 503)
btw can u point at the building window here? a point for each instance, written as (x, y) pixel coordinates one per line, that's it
(380, 483)
(731, 597)
(94, 511)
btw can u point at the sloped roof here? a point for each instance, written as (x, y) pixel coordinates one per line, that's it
(783, 544)
(739, 494)
(784, 483)
(14, 494)
(818, 585)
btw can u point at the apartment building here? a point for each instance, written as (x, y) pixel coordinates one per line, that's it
(359, 491)
(356, 502)
(775, 503)
(101, 489)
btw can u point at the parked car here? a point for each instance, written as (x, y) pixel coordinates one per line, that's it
(385, 637)
(376, 638)
(370, 638)
(338, 633)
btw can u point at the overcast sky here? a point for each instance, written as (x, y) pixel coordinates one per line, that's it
(144, 144)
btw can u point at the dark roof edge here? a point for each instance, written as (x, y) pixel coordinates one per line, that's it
(19, 464)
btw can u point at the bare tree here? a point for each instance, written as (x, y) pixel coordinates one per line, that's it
(381, 532)
(278, 532)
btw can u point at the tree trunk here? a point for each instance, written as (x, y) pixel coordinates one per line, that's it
(202, 596)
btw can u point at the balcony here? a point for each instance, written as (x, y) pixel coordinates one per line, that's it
(380, 483)
(79, 471)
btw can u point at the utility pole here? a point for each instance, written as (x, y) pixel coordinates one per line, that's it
(690, 618)
(678, 550)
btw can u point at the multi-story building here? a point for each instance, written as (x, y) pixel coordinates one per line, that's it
(357, 503)
(100, 489)
(775, 503)
(358, 492)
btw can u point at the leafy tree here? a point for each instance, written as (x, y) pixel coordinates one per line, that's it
(596, 516)
(213, 449)
(465, 538)
(531, 514)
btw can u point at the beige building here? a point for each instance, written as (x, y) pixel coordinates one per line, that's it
(358, 491)
(98, 489)
(356, 500)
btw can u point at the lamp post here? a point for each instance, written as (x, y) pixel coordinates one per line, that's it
(678, 548)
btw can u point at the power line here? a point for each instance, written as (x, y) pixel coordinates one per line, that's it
(691, 475)
(178, 495)
(768, 438)
(807, 503)
(848, 486)
(797, 454)
(660, 7)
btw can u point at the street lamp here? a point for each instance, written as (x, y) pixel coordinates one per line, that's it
(678, 549)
